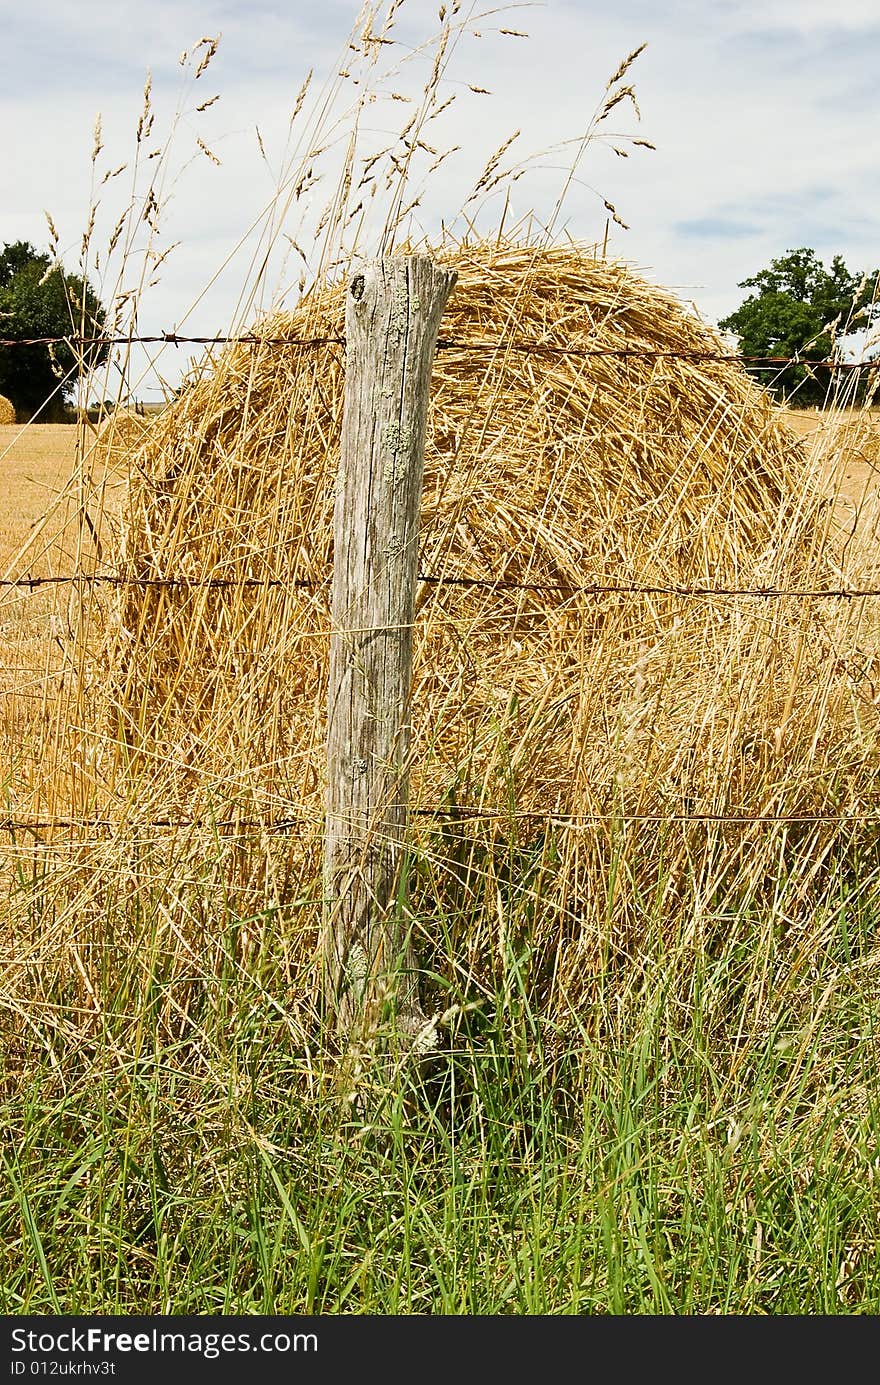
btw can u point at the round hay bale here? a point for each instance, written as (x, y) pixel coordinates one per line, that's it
(545, 466)
(7, 411)
(580, 434)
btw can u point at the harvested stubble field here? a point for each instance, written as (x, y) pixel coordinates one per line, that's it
(657, 1091)
(845, 446)
(37, 464)
(41, 492)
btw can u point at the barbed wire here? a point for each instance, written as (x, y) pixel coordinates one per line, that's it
(567, 590)
(173, 339)
(115, 580)
(768, 362)
(455, 815)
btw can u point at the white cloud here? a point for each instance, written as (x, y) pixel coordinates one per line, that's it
(760, 111)
(800, 16)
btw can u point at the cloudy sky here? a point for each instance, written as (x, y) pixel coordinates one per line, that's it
(764, 115)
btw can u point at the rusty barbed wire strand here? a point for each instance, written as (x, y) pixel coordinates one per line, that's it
(456, 815)
(448, 344)
(566, 590)
(172, 339)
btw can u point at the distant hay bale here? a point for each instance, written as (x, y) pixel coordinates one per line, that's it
(121, 432)
(548, 466)
(7, 411)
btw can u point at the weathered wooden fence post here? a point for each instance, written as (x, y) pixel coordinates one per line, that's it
(392, 317)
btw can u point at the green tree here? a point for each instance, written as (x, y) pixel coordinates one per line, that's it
(799, 307)
(38, 299)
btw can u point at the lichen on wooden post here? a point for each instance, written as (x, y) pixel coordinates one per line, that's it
(392, 318)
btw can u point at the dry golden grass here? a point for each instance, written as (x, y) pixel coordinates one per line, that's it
(38, 471)
(120, 434)
(7, 411)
